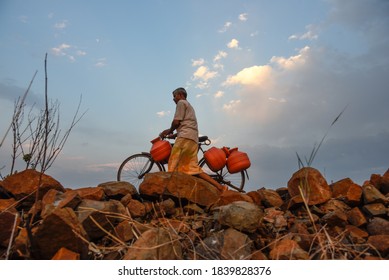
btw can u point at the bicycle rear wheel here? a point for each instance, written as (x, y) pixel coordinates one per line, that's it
(134, 168)
(232, 180)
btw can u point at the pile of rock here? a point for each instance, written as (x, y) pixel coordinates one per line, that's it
(177, 216)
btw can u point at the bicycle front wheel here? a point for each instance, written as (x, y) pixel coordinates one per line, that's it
(134, 168)
(232, 180)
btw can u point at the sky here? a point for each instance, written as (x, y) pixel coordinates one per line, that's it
(268, 77)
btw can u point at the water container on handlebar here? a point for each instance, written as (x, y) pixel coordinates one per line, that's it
(215, 158)
(237, 161)
(160, 149)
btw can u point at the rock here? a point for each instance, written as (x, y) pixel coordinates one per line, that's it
(55, 199)
(8, 204)
(372, 195)
(96, 193)
(24, 185)
(155, 244)
(136, 208)
(236, 245)
(230, 196)
(313, 185)
(334, 205)
(378, 226)
(60, 228)
(287, 249)
(270, 198)
(347, 190)
(275, 217)
(356, 235)
(9, 219)
(381, 182)
(181, 186)
(99, 217)
(375, 209)
(356, 217)
(65, 254)
(125, 231)
(335, 218)
(241, 215)
(380, 243)
(117, 190)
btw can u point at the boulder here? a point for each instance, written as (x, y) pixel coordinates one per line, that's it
(372, 195)
(230, 196)
(155, 244)
(378, 226)
(25, 184)
(118, 189)
(356, 217)
(181, 186)
(236, 245)
(287, 249)
(347, 190)
(241, 215)
(66, 254)
(60, 228)
(313, 185)
(99, 217)
(91, 193)
(9, 221)
(270, 198)
(380, 243)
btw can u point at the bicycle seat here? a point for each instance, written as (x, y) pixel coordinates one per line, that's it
(203, 138)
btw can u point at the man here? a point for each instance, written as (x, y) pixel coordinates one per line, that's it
(183, 157)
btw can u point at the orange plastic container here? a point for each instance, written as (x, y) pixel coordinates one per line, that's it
(215, 158)
(237, 161)
(160, 149)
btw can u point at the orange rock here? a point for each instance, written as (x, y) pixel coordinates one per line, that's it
(96, 193)
(287, 249)
(347, 190)
(25, 184)
(356, 217)
(314, 187)
(65, 254)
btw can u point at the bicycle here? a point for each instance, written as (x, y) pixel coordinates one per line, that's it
(135, 167)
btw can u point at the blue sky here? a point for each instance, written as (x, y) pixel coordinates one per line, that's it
(266, 76)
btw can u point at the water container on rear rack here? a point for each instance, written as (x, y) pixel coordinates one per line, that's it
(237, 161)
(215, 158)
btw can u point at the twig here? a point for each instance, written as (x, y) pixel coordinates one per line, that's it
(12, 236)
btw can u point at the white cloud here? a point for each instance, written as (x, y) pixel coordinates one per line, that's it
(203, 73)
(233, 44)
(226, 26)
(310, 34)
(232, 106)
(198, 62)
(60, 50)
(252, 76)
(102, 62)
(293, 61)
(219, 94)
(162, 114)
(61, 25)
(243, 17)
(220, 55)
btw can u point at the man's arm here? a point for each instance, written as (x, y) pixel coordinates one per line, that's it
(175, 124)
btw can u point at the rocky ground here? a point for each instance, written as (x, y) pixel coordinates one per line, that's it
(176, 216)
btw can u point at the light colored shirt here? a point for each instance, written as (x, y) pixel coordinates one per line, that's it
(188, 126)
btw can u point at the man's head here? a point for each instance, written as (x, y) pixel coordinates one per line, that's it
(178, 94)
